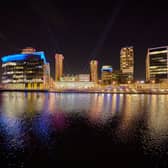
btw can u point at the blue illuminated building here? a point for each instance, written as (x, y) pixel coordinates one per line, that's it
(107, 68)
(106, 74)
(22, 57)
(25, 70)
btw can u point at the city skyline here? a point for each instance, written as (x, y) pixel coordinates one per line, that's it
(84, 80)
(126, 70)
(84, 32)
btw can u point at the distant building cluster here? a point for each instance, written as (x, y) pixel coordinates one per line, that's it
(108, 75)
(126, 72)
(30, 70)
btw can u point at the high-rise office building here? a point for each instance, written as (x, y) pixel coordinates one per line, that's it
(25, 70)
(58, 66)
(106, 74)
(157, 64)
(127, 63)
(94, 70)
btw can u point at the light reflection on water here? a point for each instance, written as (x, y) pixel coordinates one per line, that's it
(157, 118)
(42, 114)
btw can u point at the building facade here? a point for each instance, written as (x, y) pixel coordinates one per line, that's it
(157, 64)
(25, 70)
(69, 78)
(47, 77)
(58, 66)
(84, 77)
(66, 85)
(75, 78)
(94, 71)
(106, 74)
(127, 63)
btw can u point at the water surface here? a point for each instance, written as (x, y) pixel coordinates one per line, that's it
(121, 129)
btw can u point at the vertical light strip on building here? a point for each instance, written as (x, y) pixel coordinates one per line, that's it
(58, 66)
(94, 70)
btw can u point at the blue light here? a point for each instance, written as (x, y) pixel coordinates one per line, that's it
(42, 56)
(107, 69)
(16, 57)
(20, 57)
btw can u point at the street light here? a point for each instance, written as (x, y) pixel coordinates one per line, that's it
(153, 81)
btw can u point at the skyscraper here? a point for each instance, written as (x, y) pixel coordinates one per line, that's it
(157, 64)
(58, 66)
(127, 63)
(94, 70)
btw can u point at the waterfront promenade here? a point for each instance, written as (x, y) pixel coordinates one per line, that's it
(85, 87)
(99, 91)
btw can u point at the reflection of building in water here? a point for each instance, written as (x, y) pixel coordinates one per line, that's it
(119, 103)
(103, 106)
(72, 102)
(13, 104)
(96, 106)
(11, 128)
(52, 102)
(41, 127)
(107, 106)
(12, 109)
(114, 103)
(59, 120)
(158, 117)
(127, 112)
(34, 102)
(131, 109)
(65, 102)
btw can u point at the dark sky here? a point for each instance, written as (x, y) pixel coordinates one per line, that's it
(83, 30)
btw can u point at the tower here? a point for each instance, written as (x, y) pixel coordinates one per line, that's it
(58, 66)
(94, 70)
(127, 63)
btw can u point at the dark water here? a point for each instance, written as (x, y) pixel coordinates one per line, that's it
(121, 130)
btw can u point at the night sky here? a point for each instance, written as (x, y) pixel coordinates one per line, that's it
(83, 30)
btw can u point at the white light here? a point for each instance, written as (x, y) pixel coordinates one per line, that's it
(162, 90)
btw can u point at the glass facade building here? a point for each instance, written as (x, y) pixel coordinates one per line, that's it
(127, 63)
(157, 64)
(25, 70)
